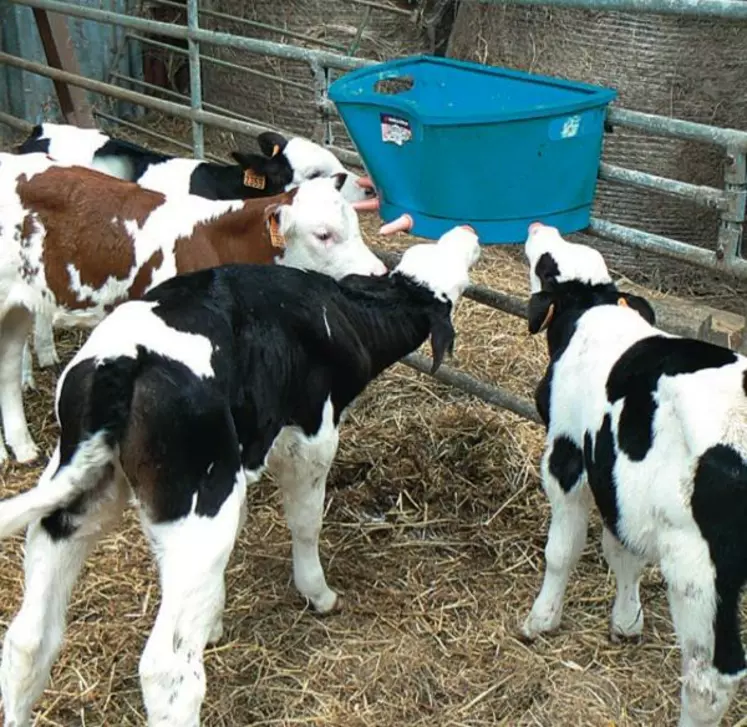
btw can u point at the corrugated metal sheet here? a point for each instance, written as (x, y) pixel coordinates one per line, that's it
(100, 49)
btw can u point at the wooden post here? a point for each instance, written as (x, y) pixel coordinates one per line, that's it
(58, 47)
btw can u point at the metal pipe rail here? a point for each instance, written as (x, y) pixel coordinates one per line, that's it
(728, 9)
(252, 45)
(220, 62)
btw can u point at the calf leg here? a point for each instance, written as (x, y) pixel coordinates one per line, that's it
(192, 555)
(44, 347)
(697, 611)
(27, 368)
(56, 549)
(14, 330)
(569, 521)
(627, 614)
(301, 467)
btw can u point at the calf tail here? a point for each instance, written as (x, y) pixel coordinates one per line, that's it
(107, 416)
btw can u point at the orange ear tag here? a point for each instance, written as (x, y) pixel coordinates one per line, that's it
(276, 237)
(623, 302)
(254, 180)
(275, 150)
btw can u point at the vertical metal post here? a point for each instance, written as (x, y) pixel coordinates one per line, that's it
(321, 84)
(195, 80)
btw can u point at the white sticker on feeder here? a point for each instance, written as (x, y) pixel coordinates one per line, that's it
(570, 127)
(395, 129)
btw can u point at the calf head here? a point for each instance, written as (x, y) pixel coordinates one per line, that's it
(286, 163)
(568, 277)
(442, 268)
(321, 231)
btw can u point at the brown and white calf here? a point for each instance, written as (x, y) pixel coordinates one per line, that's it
(75, 243)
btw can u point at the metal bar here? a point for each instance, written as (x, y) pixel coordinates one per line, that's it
(700, 194)
(58, 48)
(252, 45)
(156, 135)
(729, 9)
(667, 247)
(195, 81)
(666, 126)
(257, 24)
(123, 94)
(380, 6)
(14, 122)
(180, 96)
(219, 62)
(157, 104)
(469, 384)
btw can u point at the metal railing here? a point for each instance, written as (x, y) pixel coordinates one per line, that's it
(730, 202)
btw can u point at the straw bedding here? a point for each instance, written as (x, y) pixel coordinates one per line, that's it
(434, 531)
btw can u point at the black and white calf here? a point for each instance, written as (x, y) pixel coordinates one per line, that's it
(183, 398)
(653, 428)
(282, 165)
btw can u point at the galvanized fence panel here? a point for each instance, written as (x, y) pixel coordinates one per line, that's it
(731, 201)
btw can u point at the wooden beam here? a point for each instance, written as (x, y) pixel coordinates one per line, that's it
(58, 47)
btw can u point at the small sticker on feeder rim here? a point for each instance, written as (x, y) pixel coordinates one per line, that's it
(570, 127)
(395, 129)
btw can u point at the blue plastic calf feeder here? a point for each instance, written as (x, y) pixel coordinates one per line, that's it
(452, 142)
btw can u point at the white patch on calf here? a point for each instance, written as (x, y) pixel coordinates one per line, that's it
(443, 267)
(72, 144)
(574, 261)
(318, 209)
(309, 160)
(115, 166)
(171, 177)
(134, 324)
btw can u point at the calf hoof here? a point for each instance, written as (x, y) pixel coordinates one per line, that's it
(329, 605)
(536, 624)
(47, 360)
(620, 638)
(216, 633)
(25, 453)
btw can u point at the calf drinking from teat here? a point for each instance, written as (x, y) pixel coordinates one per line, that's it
(653, 428)
(182, 399)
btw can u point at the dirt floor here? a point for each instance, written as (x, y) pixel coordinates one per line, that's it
(434, 534)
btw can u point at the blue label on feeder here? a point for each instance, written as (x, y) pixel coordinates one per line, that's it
(570, 127)
(395, 129)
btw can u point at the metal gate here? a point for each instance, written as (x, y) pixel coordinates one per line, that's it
(725, 256)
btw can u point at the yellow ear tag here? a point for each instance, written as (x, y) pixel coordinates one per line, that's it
(276, 237)
(623, 302)
(548, 318)
(275, 150)
(254, 180)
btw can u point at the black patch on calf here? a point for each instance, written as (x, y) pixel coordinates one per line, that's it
(547, 269)
(33, 143)
(566, 462)
(744, 383)
(139, 158)
(599, 458)
(542, 397)
(635, 376)
(719, 506)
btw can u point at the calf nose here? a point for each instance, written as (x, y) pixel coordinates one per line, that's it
(534, 227)
(380, 269)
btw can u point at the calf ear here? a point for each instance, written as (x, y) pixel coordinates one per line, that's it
(640, 305)
(339, 180)
(442, 338)
(540, 312)
(271, 143)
